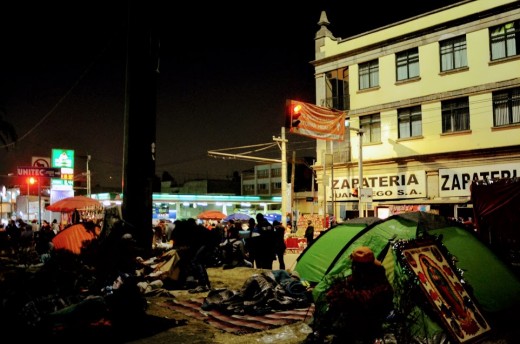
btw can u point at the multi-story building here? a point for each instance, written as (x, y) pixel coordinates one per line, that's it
(437, 100)
(263, 179)
(266, 180)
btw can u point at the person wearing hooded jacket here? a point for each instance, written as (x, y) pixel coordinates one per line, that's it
(357, 304)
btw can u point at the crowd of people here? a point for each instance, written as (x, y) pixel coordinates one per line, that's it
(352, 310)
(32, 242)
(19, 237)
(257, 246)
(363, 298)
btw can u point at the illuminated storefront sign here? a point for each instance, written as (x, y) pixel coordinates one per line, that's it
(457, 181)
(62, 158)
(385, 186)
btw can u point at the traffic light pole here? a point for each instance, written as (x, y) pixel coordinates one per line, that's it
(39, 202)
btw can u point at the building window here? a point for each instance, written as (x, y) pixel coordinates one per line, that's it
(262, 173)
(337, 96)
(276, 172)
(263, 188)
(453, 53)
(276, 186)
(249, 189)
(410, 122)
(455, 115)
(504, 40)
(407, 64)
(506, 107)
(368, 74)
(371, 125)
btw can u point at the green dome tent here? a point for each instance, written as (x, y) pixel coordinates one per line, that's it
(493, 285)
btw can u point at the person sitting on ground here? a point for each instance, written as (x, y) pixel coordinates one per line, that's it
(233, 250)
(356, 306)
(120, 305)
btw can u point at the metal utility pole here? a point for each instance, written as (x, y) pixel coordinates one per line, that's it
(283, 145)
(332, 193)
(293, 208)
(325, 184)
(312, 187)
(360, 168)
(89, 189)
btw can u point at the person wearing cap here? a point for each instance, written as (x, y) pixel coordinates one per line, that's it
(357, 304)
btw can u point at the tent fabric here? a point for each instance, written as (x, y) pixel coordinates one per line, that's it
(479, 263)
(73, 238)
(315, 260)
(492, 283)
(495, 204)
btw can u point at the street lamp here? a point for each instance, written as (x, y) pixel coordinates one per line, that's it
(360, 165)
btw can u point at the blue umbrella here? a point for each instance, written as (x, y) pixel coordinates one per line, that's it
(272, 217)
(237, 217)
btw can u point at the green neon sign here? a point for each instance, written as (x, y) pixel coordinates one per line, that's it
(62, 158)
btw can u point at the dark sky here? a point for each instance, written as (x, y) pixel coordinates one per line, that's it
(225, 72)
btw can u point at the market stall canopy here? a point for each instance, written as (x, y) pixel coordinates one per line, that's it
(211, 215)
(68, 204)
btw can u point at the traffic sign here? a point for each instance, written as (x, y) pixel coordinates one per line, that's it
(366, 195)
(48, 172)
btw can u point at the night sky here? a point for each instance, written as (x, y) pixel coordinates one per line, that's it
(225, 72)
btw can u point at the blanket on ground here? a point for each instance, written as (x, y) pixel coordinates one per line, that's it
(266, 300)
(239, 324)
(263, 293)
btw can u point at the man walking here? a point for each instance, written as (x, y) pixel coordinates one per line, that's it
(309, 233)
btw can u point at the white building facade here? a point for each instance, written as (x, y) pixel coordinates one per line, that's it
(437, 98)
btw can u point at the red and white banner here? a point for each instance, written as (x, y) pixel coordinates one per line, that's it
(316, 121)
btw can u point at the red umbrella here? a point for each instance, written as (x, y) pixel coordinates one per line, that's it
(68, 204)
(211, 215)
(73, 238)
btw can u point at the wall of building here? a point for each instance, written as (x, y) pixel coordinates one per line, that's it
(432, 168)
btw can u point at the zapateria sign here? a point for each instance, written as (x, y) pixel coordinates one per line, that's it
(385, 186)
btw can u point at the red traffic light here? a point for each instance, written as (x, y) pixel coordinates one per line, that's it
(296, 109)
(293, 111)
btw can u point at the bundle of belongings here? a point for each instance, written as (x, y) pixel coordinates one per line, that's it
(263, 293)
